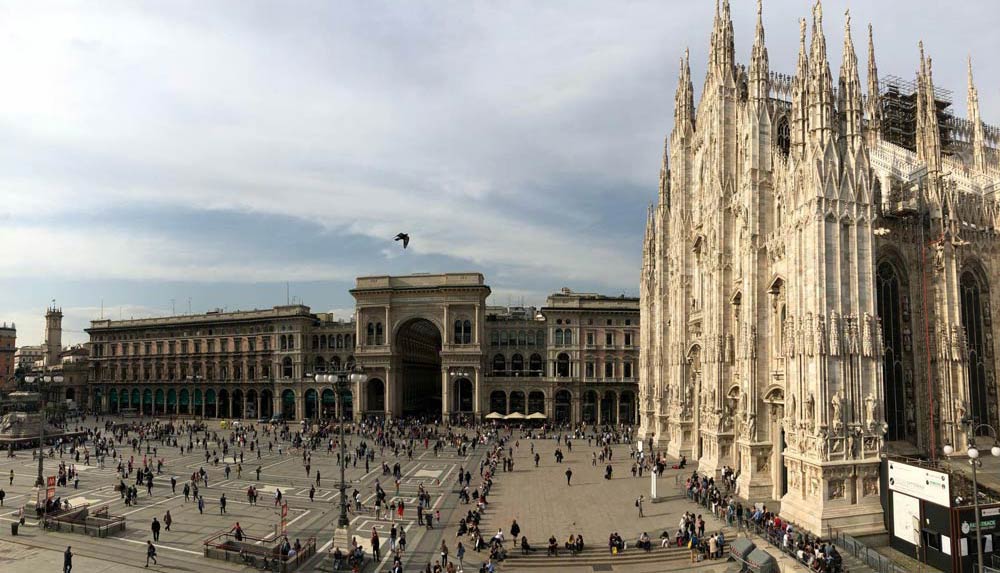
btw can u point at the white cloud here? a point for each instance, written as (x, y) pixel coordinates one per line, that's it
(496, 134)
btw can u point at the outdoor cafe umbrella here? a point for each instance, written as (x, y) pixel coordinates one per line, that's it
(537, 416)
(514, 416)
(494, 416)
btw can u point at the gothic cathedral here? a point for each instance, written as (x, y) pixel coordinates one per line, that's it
(818, 275)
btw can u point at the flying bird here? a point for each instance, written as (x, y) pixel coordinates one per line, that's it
(403, 237)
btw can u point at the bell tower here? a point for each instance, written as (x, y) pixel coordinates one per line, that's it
(53, 334)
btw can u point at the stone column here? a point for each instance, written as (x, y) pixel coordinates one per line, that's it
(445, 394)
(476, 405)
(390, 392)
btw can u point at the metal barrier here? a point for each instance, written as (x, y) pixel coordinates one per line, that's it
(866, 555)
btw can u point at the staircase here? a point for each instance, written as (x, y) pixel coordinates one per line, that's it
(670, 558)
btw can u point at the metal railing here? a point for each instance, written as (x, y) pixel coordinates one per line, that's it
(866, 555)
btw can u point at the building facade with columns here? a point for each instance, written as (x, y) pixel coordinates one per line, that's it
(430, 344)
(818, 275)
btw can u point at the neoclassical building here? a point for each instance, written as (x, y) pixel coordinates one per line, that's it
(430, 344)
(818, 275)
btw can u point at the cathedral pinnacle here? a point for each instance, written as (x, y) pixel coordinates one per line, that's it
(978, 141)
(759, 72)
(820, 80)
(800, 90)
(684, 97)
(849, 92)
(873, 104)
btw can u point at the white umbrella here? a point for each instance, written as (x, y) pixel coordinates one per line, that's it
(494, 416)
(537, 416)
(514, 416)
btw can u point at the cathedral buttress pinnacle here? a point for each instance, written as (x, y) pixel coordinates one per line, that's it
(873, 106)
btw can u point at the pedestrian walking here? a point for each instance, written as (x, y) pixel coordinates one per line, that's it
(68, 559)
(222, 504)
(376, 552)
(3, 494)
(150, 552)
(444, 554)
(201, 505)
(11, 477)
(638, 504)
(167, 520)
(312, 492)
(156, 529)
(173, 484)
(569, 476)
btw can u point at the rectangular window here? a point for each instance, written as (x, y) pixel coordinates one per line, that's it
(627, 369)
(184, 347)
(148, 348)
(590, 339)
(267, 343)
(628, 339)
(197, 347)
(628, 322)
(253, 344)
(590, 370)
(609, 339)
(224, 345)
(159, 348)
(609, 369)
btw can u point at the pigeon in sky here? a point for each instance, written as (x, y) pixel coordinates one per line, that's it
(403, 237)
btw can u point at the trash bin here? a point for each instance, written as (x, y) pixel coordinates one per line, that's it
(13, 528)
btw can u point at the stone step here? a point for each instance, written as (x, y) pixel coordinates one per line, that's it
(594, 556)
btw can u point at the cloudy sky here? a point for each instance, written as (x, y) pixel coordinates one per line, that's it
(208, 153)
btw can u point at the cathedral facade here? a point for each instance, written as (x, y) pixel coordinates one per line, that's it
(818, 275)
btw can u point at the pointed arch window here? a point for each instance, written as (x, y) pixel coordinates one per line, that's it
(784, 139)
(889, 302)
(976, 320)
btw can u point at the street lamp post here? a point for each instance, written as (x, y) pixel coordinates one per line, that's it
(355, 377)
(975, 462)
(40, 478)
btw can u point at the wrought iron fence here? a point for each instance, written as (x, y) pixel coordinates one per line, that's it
(866, 555)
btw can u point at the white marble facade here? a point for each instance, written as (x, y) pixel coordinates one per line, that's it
(812, 292)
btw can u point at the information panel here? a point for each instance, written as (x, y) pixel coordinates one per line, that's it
(922, 483)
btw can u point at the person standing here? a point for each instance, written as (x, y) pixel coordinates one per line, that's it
(569, 476)
(515, 530)
(444, 554)
(201, 505)
(173, 484)
(156, 529)
(68, 560)
(167, 520)
(3, 494)
(460, 553)
(11, 477)
(150, 552)
(376, 553)
(638, 504)
(222, 504)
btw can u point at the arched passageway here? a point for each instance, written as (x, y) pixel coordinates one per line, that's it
(288, 405)
(563, 405)
(312, 404)
(375, 395)
(418, 343)
(498, 402)
(463, 393)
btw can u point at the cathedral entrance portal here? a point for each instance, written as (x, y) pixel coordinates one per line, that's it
(418, 344)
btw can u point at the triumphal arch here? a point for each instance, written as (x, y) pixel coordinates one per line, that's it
(419, 338)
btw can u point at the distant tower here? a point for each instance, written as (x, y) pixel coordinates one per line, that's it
(8, 344)
(53, 335)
